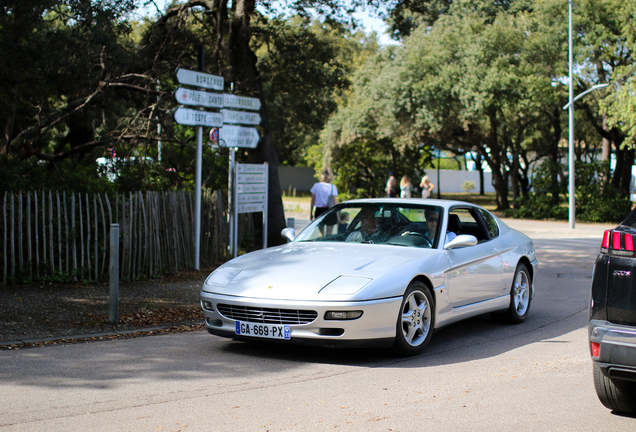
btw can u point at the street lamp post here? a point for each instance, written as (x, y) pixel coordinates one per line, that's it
(572, 213)
(570, 107)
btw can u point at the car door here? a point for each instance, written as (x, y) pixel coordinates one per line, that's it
(475, 272)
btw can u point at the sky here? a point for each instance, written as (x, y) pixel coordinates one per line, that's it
(369, 23)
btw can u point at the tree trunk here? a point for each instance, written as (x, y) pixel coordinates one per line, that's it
(480, 169)
(606, 155)
(626, 177)
(497, 168)
(555, 157)
(245, 77)
(8, 125)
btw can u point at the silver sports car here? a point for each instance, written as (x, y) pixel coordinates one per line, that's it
(375, 272)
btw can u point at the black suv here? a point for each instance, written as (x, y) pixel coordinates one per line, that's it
(612, 319)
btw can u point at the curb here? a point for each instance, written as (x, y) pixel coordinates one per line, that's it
(125, 334)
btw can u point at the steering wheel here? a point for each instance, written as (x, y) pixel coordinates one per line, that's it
(417, 234)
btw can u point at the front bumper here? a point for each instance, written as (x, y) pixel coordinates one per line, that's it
(617, 354)
(376, 326)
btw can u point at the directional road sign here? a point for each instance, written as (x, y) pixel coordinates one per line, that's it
(199, 79)
(240, 117)
(239, 136)
(190, 117)
(199, 98)
(241, 102)
(251, 193)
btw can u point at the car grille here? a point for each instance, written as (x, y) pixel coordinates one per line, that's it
(267, 315)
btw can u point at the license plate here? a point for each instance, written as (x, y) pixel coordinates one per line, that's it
(271, 331)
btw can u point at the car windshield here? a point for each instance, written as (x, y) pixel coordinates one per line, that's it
(377, 223)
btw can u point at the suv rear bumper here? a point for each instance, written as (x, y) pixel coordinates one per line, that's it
(617, 355)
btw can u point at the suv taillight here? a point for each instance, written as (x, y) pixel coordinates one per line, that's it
(617, 243)
(606, 239)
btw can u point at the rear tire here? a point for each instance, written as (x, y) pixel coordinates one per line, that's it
(615, 394)
(520, 298)
(415, 322)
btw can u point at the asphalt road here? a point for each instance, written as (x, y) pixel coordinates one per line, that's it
(475, 376)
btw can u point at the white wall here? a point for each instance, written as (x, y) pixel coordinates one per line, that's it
(451, 181)
(303, 178)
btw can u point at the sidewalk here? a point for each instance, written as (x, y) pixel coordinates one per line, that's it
(46, 314)
(558, 229)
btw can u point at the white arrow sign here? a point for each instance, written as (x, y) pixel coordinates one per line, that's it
(241, 117)
(198, 98)
(243, 102)
(199, 79)
(190, 117)
(238, 136)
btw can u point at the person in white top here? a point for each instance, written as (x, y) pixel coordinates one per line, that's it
(320, 193)
(427, 187)
(405, 187)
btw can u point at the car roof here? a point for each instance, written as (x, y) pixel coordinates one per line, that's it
(415, 201)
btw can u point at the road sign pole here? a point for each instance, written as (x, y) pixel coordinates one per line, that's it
(197, 200)
(235, 209)
(197, 185)
(231, 203)
(266, 207)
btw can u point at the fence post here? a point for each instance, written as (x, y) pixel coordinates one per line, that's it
(113, 313)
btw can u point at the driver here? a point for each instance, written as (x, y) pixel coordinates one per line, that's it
(368, 227)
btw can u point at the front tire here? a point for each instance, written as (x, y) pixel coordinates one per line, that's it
(415, 321)
(520, 298)
(615, 394)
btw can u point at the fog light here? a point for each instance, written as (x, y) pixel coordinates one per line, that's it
(596, 349)
(342, 315)
(207, 306)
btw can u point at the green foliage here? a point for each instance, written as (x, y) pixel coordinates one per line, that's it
(595, 202)
(304, 66)
(542, 202)
(468, 185)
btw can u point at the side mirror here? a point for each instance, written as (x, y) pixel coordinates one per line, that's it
(288, 233)
(460, 241)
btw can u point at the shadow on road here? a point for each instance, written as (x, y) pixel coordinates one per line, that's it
(559, 307)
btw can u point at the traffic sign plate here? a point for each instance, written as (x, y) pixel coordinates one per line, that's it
(190, 117)
(241, 117)
(241, 102)
(199, 79)
(238, 136)
(199, 98)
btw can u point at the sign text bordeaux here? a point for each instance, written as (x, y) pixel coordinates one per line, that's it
(199, 79)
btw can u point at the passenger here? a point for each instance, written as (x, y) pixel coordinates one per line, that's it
(432, 217)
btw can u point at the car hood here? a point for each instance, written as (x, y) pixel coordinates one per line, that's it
(309, 271)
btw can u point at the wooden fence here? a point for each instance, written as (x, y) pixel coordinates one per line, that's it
(59, 236)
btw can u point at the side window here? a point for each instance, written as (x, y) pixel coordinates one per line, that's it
(491, 223)
(470, 223)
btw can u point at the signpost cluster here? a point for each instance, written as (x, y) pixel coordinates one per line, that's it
(227, 131)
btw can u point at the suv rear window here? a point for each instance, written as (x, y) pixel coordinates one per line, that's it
(630, 220)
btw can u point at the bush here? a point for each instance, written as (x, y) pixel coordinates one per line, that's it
(468, 185)
(595, 202)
